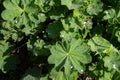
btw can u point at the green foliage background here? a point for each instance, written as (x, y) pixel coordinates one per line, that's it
(59, 39)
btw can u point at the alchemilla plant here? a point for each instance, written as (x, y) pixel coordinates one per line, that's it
(60, 40)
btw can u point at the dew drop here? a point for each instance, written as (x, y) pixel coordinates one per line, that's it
(62, 35)
(106, 12)
(42, 14)
(71, 67)
(114, 66)
(81, 70)
(16, 21)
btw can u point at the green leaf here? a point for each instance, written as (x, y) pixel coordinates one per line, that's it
(95, 7)
(37, 18)
(54, 29)
(117, 34)
(15, 1)
(26, 2)
(57, 2)
(44, 5)
(24, 20)
(58, 12)
(33, 73)
(99, 44)
(31, 9)
(42, 17)
(36, 47)
(11, 5)
(109, 14)
(112, 61)
(76, 64)
(44, 78)
(8, 62)
(116, 76)
(107, 75)
(67, 67)
(2, 63)
(67, 35)
(70, 24)
(60, 76)
(118, 14)
(4, 46)
(68, 3)
(72, 4)
(54, 75)
(14, 36)
(73, 76)
(70, 54)
(12, 10)
(27, 30)
(10, 14)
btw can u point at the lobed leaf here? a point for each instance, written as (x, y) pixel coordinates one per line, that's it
(99, 44)
(8, 62)
(75, 53)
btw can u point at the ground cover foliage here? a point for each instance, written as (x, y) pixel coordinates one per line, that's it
(60, 40)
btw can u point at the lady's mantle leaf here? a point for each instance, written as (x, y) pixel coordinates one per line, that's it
(33, 73)
(95, 7)
(70, 54)
(8, 62)
(54, 75)
(112, 61)
(72, 4)
(36, 47)
(68, 3)
(54, 29)
(12, 10)
(99, 44)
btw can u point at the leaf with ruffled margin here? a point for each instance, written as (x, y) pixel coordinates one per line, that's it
(72, 4)
(7, 62)
(95, 7)
(99, 44)
(112, 61)
(12, 10)
(70, 54)
(33, 73)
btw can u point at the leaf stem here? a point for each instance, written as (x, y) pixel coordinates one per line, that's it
(85, 34)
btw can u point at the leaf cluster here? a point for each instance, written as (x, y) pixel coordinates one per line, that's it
(60, 39)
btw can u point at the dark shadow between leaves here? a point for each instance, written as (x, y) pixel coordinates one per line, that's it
(11, 63)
